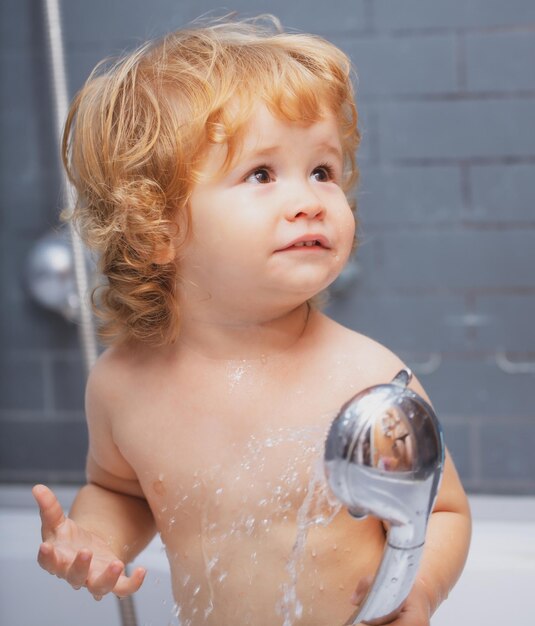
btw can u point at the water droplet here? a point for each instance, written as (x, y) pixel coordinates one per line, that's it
(394, 580)
(158, 486)
(249, 524)
(211, 564)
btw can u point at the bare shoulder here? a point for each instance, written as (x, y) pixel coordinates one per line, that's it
(367, 360)
(117, 368)
(111, 379)
(367, 353)
(106, 374)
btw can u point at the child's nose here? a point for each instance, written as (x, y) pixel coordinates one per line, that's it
(305, 206)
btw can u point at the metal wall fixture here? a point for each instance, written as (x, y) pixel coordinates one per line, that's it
(50, 274)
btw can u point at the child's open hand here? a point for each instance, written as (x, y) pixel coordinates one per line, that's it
(79, 556)
(415, 611)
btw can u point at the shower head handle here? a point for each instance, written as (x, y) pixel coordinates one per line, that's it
(384, 456)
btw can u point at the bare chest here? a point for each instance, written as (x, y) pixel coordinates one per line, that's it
(230, 462)
(247, 443)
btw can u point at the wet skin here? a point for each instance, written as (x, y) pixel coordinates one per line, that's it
(226, 483)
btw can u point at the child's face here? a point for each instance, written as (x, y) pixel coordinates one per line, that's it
(284, 188)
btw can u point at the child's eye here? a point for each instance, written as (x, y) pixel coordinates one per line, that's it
(323, 173)
(259, 176)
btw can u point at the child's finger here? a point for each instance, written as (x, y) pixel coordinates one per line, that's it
(46, 557)
(79, 569)
(127, 585)
(106, 581)
(50, 509)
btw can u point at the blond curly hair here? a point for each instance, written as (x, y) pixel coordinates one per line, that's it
(135, 138)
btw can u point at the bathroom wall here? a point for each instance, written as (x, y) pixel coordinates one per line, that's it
(445, 265)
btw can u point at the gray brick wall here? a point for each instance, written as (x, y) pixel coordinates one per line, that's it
(504, 57)
(415, 15)
(447, 218)
(446, 94)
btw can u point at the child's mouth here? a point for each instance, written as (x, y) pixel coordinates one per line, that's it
(306, 244)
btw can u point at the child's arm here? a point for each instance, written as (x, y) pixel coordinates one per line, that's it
(110, 521)
(447, 540)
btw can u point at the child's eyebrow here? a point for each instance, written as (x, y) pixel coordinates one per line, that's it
(325, 147)
(265, 151)
(331, 149)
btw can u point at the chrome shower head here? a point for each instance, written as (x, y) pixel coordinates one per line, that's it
(384, 457)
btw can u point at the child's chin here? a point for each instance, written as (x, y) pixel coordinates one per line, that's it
(311, 294)
(319, 286)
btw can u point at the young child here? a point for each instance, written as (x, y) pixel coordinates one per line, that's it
(212, 169)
